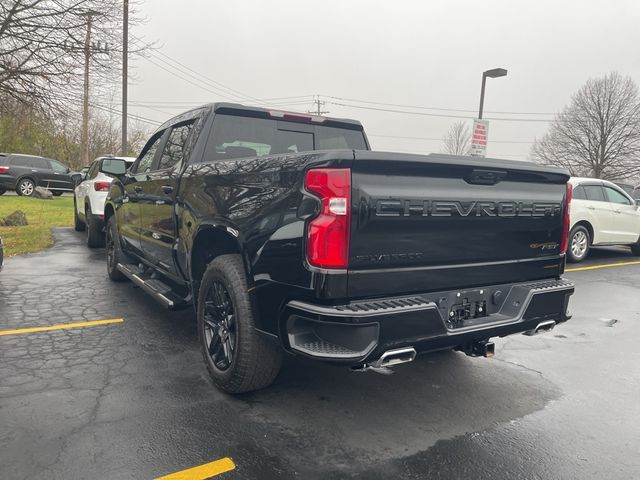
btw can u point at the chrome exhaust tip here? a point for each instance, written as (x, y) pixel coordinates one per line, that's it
(395, 357)
(542, 327)
(388, 359)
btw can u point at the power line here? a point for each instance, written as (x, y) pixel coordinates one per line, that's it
(438, 139)
(425, 114)
(434, 108)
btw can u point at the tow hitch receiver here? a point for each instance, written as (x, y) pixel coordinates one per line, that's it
(481, 348)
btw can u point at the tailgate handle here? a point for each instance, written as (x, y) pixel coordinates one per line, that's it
(485, 177)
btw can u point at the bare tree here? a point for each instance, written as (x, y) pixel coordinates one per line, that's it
(43, 45)
(457, 140)
(598, 133)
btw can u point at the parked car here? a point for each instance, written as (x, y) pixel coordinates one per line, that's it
(1, 254)
(360, 258)
(602, 213)
(90, 194)
(23, 173)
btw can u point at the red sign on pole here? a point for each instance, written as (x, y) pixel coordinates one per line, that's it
(479, 137)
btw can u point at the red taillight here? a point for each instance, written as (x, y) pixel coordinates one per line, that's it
(101, 186)
(4, 169)
(328, 233)
(566, 221)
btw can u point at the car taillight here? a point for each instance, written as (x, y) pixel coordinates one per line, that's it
(328, 233)
(4, 169)
(101, 186)
(566, 221)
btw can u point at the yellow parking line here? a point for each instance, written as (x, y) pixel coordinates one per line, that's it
(63, 326)
(596, 267)
(202, 472)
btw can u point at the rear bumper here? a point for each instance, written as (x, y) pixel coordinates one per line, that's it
(8, 182)
(362, 331)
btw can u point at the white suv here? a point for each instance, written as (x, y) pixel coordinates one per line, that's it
(89, 196)
(602, 213)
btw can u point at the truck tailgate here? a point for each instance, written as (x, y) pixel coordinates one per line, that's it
(435, 222)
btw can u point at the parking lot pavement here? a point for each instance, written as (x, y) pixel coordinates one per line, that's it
(131, 399)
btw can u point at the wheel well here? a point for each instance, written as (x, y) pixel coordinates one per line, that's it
(209, 244)
(24, 177)
(108, 212)
(588, 226)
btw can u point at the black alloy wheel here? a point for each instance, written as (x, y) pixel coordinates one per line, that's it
(114, 251)
(220, 326)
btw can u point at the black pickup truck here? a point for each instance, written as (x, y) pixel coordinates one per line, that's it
(287, 234)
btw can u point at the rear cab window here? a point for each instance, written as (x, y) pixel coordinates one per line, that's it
(236, 136)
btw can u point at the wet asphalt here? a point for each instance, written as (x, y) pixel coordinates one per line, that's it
(133, 400)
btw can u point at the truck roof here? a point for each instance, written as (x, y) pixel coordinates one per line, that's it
(272, 113)
(277, 113)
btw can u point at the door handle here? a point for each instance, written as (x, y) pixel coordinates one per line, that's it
(167, 189)
(617, 211)
(138, 189)
(591, 208)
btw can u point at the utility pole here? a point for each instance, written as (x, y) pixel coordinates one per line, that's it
(318, 104)
(125, 63)
(84, 134)
(89, 48)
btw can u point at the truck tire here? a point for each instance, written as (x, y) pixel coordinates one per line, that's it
(635, 249)
(95, 238)
(3, 191)
(579, 244)
(238, 358)
(78, 224)
(115, 255)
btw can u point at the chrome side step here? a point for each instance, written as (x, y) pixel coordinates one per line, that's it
(159, 291)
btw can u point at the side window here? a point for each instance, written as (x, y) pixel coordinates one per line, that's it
(578, 193)
(40, 163)
(93, 170)
(58, 167)
(148, 154)
(176, 145)
(615, 196)
(595, 193)
(20, 161)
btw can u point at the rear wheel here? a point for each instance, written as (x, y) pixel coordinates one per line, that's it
(2, 191)
(78, 224)
(56, 193)
(114, 251)
(579, 244)
(635, 249)
(95, 237)
(26, 187)
(238, 358)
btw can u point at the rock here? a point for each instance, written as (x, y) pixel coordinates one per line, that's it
(41, 192)
(16, 219)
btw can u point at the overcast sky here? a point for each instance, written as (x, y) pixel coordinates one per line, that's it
(414, 53)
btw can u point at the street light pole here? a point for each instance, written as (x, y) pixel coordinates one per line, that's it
(494, 73)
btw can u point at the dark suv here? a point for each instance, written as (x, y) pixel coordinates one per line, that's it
(23, 173)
